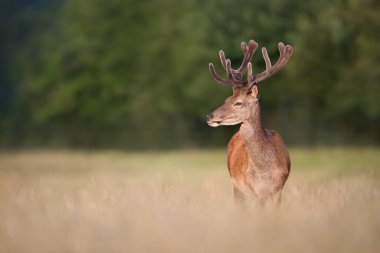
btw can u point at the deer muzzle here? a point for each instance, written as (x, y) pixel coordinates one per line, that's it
(211, 120)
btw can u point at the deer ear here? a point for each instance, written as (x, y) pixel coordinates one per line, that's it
(254, 91)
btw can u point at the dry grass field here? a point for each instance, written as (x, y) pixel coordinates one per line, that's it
(181, 201)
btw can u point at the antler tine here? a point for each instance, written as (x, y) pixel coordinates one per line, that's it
(216, 77)
(229, 70)
(248, 52)
(226, 64)
(281, 48)
(285, 53)
(222, 57)
(234, 76)
(251, 78)
(268, 64)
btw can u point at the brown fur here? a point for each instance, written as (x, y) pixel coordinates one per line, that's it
(249, 176)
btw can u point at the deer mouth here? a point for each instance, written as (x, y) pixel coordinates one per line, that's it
(226, 122)
(213, 123)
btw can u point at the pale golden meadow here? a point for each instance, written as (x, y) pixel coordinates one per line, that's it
(182, 201)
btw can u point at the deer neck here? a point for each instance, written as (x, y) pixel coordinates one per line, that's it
(252, 131)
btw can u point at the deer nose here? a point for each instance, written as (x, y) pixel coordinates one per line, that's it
(209, 116)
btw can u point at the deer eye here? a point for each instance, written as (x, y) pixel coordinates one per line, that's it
(238, 104)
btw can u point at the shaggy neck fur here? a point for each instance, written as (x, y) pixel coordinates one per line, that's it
(252, 128)
(254, 135)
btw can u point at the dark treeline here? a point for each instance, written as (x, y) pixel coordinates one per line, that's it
(134, 74)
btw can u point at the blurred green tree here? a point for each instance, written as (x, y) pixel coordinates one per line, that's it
(128, 73)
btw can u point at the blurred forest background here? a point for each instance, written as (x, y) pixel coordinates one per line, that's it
(134, 73)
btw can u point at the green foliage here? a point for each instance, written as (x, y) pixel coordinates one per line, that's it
(128, 73)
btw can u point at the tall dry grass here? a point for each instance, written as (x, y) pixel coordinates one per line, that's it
(182, 202)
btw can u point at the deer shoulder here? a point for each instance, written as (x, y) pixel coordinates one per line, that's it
(237, 159)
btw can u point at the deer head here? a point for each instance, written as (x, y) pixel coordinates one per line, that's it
(240, 106)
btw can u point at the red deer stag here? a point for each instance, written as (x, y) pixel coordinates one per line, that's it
(258, 161)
